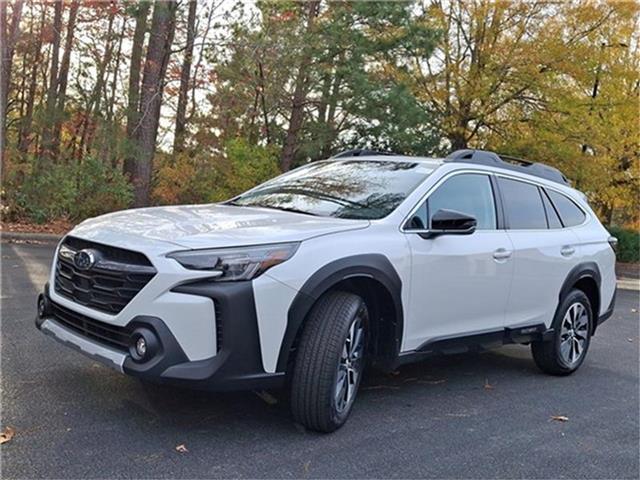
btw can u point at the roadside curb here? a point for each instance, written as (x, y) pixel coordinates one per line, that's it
(629, 284)
(30, 237)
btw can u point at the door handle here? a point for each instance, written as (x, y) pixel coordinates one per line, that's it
(502, 254)
(567, 251)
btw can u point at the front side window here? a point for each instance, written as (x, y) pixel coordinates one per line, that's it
(570, 213)
(470, 194)
(365, 189)
(523, 205)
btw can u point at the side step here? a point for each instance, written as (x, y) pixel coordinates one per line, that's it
(477, 342)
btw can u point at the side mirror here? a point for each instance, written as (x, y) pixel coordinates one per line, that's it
(450, 222)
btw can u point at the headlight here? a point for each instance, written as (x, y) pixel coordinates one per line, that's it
(233, 264)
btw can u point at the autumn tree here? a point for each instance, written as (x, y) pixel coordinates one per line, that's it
(185, 77)
(146, 130)
(341, 99)
(140, 13)
(588, 126)
(9, 31)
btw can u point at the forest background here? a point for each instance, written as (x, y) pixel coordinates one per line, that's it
(113, 104)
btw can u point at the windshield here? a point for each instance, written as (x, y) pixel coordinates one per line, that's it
(364, 189)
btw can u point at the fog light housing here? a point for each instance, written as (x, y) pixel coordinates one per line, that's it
(141, 347)
(43, 309)
(144, 345)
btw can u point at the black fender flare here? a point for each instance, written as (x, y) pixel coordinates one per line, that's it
(577, 273)
(374, 266)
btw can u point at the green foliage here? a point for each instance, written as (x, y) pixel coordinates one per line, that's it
(628, 244)
(349, 100)
(195, 177)
(248, 166)
(75, 191)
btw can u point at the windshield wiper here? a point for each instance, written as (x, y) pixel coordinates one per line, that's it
(273, 207)
(312, 194)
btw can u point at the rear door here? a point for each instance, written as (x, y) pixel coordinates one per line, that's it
(459, 283)
(544, 252)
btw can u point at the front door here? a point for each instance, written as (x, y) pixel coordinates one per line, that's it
(459, 283)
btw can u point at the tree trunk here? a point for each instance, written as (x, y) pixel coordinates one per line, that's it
(93, 106)
(111, 128)
(133, 99)
(161, 36)
(47, 133)
(458, 141)
(64, 75)
(185, 75)
(9, 36)
(299, 97)
(25, 126)
(264, 104)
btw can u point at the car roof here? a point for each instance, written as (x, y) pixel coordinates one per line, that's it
(470, 156)
(436, 162)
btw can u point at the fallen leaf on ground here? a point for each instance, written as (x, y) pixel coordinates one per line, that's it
(181, 448)
(487, 385)
(380, 387)
(7, 435)
(432, 382)
(267, 397)
(411, 379)
(559, 418)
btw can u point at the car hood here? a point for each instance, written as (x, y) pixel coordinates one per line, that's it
(207, 226)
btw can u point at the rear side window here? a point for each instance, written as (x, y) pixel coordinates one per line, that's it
(570, 213)
(552, 215)
(523, 205)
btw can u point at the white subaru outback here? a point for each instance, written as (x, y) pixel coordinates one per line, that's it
(361, 259)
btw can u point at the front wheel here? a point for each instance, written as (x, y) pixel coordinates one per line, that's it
(330, 361)
(565, 352)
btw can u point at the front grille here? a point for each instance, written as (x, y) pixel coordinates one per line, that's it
(110, 284)
(109, 335)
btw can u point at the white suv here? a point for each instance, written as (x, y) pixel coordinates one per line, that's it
(361, 259)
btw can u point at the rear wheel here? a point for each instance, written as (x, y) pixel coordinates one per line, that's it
(330, 361)
(565, 352)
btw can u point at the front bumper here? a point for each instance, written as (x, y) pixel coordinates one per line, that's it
(237, 364)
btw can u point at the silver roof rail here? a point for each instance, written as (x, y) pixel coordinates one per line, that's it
(491, 159)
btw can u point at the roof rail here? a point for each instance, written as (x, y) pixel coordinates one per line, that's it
(359, 152)
(483, 157)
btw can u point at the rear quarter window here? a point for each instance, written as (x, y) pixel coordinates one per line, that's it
(570, 214)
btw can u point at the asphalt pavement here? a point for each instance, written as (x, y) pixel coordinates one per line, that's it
(483, 415)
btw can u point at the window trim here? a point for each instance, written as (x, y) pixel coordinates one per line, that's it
(498, 200)
(587, 216)
(544, 194)
(497, 203)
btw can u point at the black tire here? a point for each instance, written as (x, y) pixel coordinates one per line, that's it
(551, 355)
(316, 401)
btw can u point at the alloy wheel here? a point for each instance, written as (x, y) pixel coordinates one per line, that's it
(574, 333)
(351, 363)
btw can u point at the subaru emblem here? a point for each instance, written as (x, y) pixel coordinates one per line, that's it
(84, 259)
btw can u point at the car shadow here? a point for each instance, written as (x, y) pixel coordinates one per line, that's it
(185, 408)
